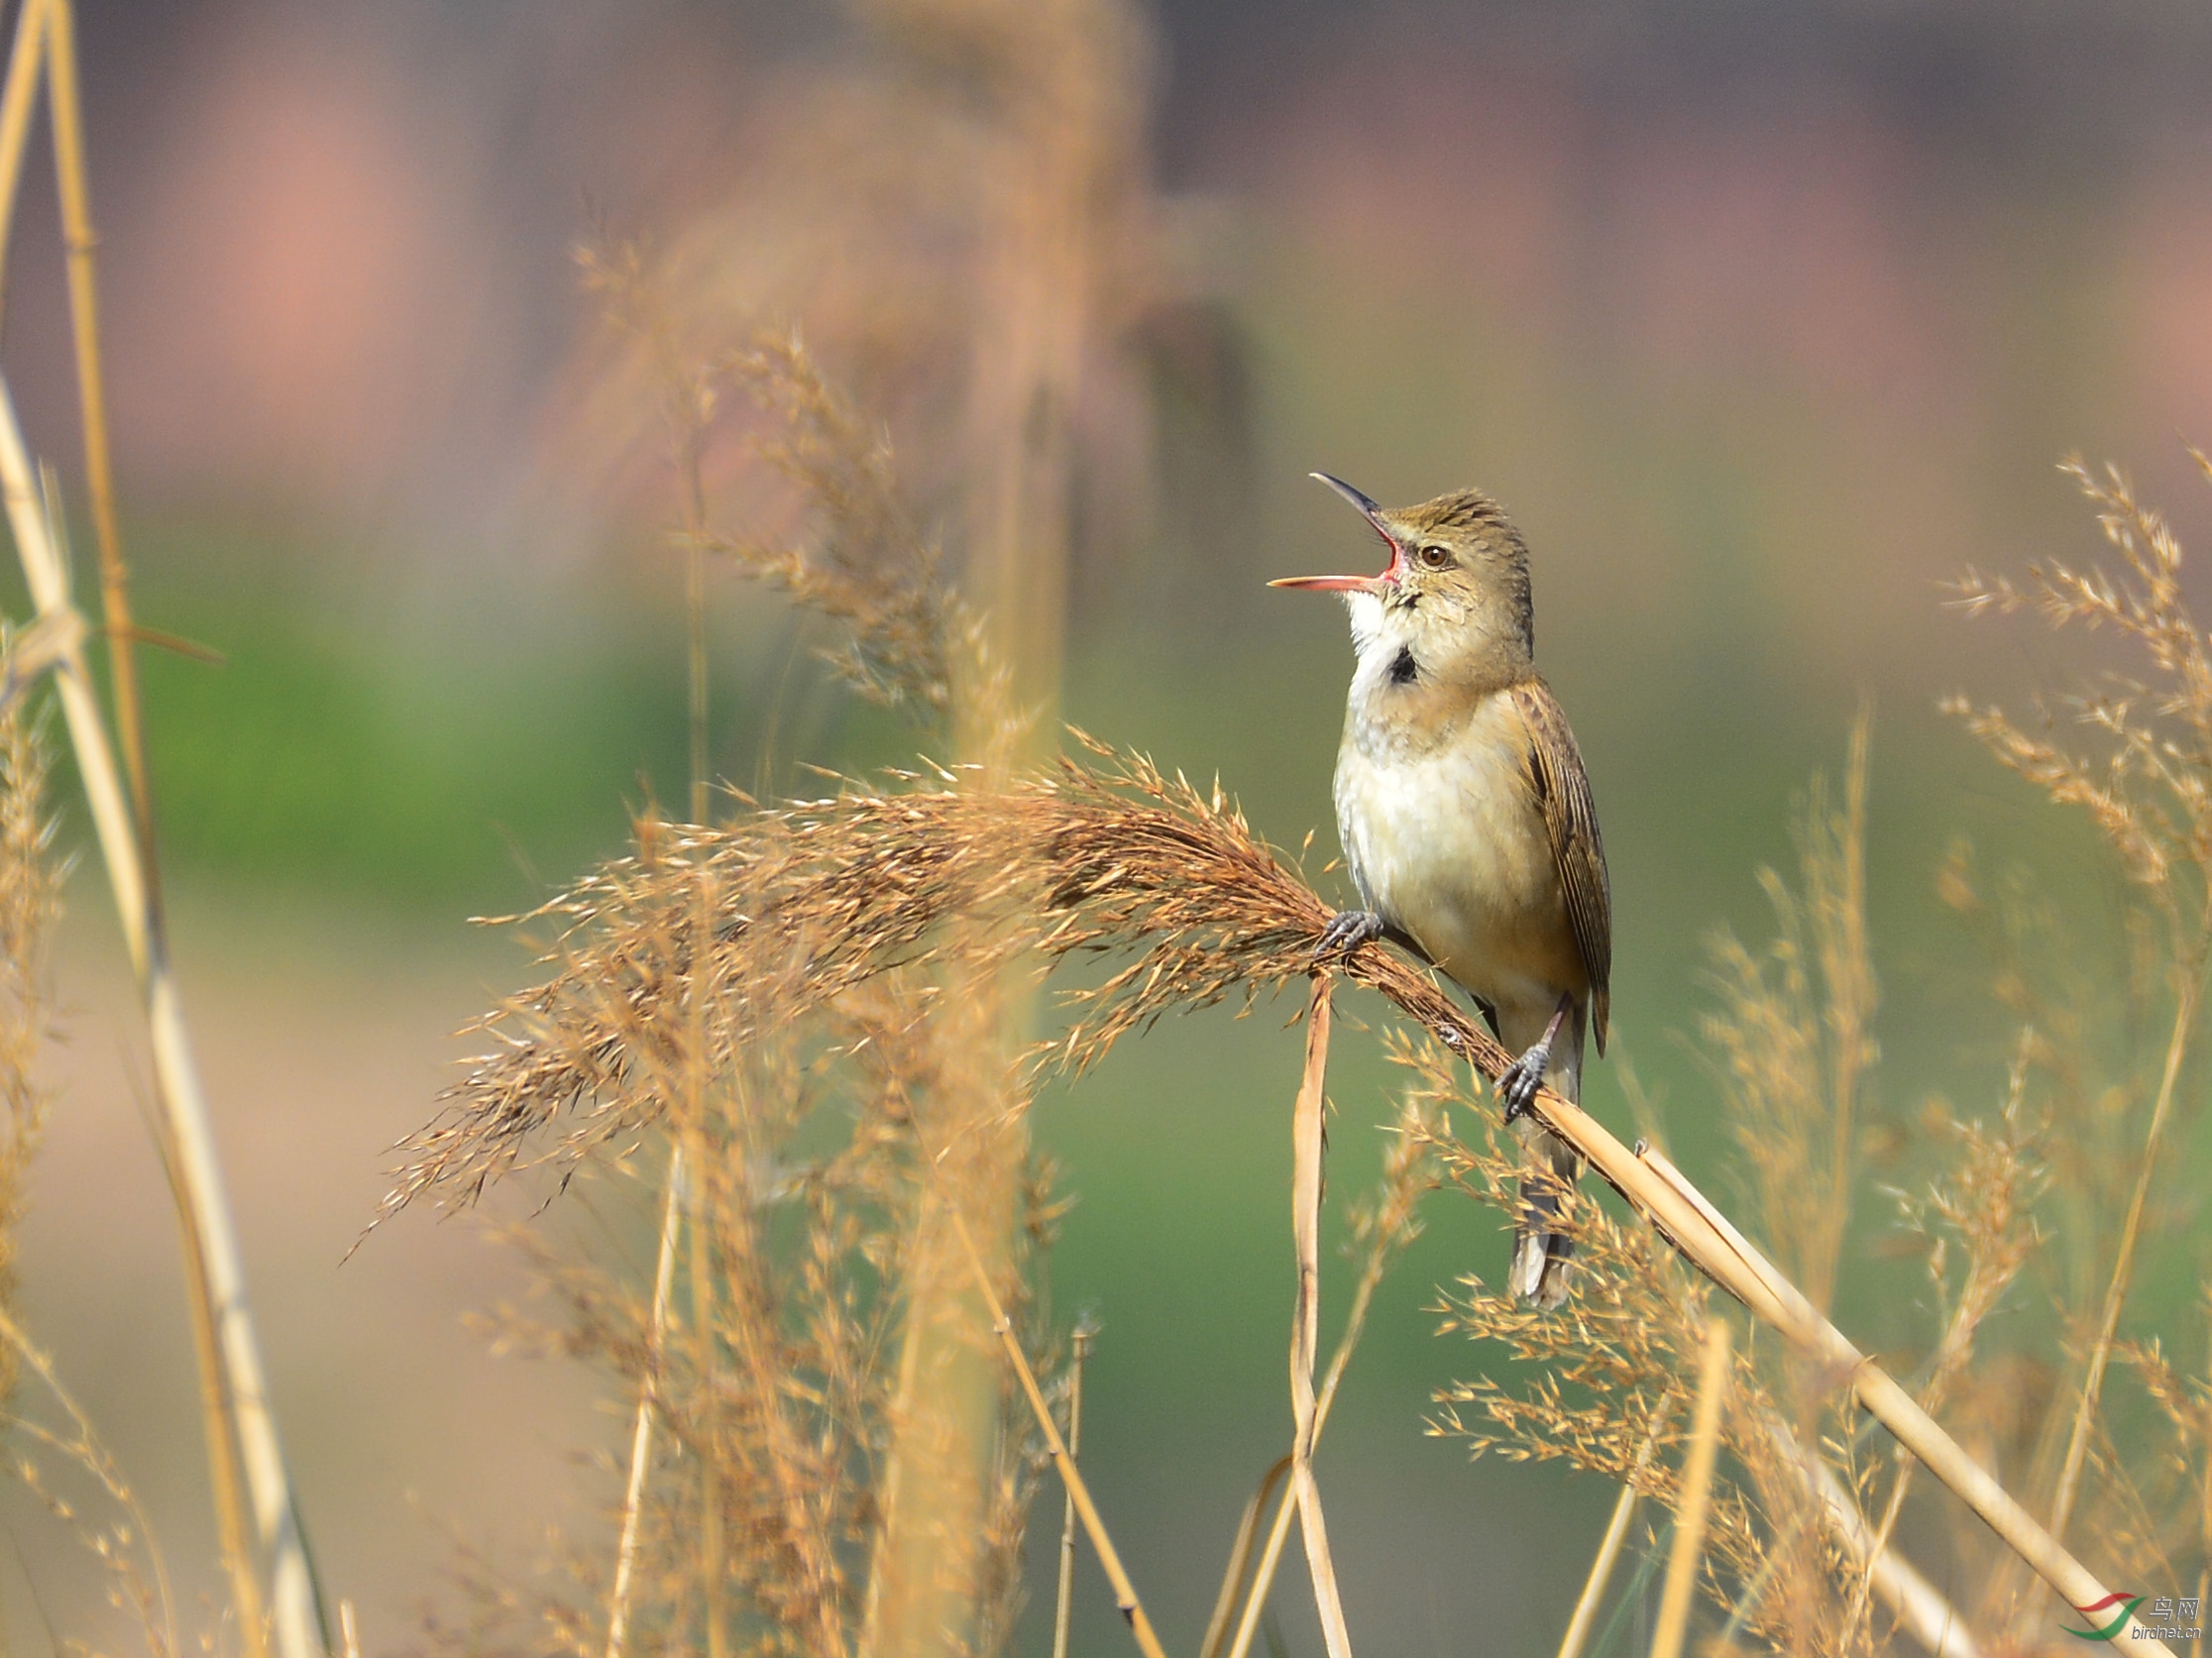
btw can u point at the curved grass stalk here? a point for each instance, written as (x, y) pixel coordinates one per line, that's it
(641, 1427)
(244, 1447)
(1125, 1592)
(1063, 1601)
(1134, 863)
(18, 102)
(234, 1387)
(1699, 1230)
(1584, 1615)
(1307, 1141)
(1696, 1495)
(1233, 1576)
(2123, 1267)
(1385, 1240)
(83, 244)
(87, 1451)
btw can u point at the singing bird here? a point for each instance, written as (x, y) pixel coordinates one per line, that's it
(1467, 819)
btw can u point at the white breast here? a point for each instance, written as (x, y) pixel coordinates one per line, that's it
(1447, 842)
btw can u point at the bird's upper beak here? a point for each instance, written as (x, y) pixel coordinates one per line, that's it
(1355, 584)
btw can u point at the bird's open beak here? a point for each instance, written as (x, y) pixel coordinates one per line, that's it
(1353, 583)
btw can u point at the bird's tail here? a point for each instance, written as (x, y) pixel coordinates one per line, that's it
(1543, 1263)
(1543, 1251)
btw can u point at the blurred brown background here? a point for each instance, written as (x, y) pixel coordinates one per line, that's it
(1761, 322)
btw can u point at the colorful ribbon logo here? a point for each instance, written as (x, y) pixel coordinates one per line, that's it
(2127, 1604)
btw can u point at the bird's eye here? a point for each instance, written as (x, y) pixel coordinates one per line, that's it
(1434, 558)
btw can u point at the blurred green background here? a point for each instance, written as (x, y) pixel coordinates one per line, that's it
(1762, 325)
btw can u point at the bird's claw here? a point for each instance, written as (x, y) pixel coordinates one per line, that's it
(1518, 1083)
(1347, 930)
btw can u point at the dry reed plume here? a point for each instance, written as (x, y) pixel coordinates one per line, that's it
(2143, 780)
(1018, 154)
(55, 1451)
(957, 204)
(274, 1598)
(819, 1003)
(31, 878)
(1083, 860)
(1802, 1558)
(828, 903)
(820, 1007)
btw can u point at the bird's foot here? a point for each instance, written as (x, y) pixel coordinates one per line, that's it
(1347, 930)
(1518, 1083)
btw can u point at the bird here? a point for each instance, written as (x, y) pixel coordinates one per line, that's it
(1468, 822)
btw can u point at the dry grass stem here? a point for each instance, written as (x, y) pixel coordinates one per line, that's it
(243, 1443)
(1696, 1482)
(125, 1547)
(50, 1455)
(641, 1423)
(1381, 1229)
(1236, 1575)
(2142, 776)
(18, 102)
(1125, 1592)
(1309, 1134)
(2188, 997)
(1583, 1619)
(1063, 1600)
(1791, 1042)
(1079, 861)
(235, 1395)
(82, 243)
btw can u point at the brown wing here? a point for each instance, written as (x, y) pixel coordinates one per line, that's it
(1556, 771)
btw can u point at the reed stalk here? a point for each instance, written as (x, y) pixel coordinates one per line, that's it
(1583, 1619)
(642, 1424)
(1696, 1495)
(1695, 1227)
(1234, 1575)
(1401, 1190)
(1063, 1601)
(225, 1452)
(1308, 1137)
(1124, 862)
(690, 404)
(83, 244)
(1584, 1615)
(1125, 1592)
(704, 1358)
(232, 1380)
(18, 102)
(245, 1452)
(2192, 991)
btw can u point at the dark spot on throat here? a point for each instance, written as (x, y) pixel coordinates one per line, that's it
(1403, 669)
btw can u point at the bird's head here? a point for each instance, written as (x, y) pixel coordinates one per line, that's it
(1455, 592)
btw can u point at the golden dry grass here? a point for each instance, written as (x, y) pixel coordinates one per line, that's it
(822, 1004)
(30, 877)
(836, 940)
